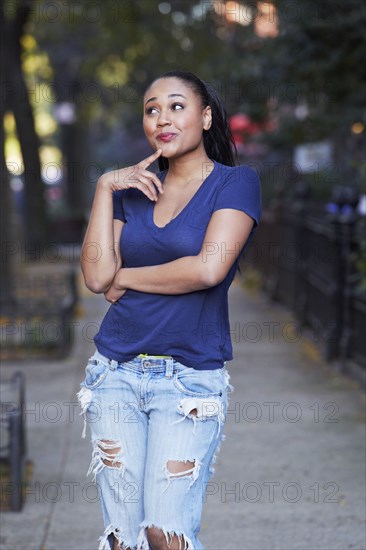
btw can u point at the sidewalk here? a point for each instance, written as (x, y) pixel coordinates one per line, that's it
(290, 473)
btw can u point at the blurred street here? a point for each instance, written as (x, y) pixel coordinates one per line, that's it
(290, 473)
(285, 83)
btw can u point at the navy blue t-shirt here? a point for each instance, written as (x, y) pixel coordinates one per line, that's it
(193, 327)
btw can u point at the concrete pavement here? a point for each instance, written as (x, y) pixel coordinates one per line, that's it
(290, 473)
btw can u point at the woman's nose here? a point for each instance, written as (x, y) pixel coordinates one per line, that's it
(164, 118)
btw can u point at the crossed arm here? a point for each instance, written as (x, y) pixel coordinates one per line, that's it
(226, 234)
(101, 263)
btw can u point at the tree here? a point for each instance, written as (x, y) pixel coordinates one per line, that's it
(16, 100)
(316, 62)
(6, 299)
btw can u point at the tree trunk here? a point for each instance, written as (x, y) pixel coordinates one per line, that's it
(17, 101)
(8, 245)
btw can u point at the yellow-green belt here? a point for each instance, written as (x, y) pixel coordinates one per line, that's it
(153, 355)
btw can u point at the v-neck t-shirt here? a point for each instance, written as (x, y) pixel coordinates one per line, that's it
(193, 327)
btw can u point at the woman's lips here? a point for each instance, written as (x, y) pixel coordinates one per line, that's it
(168, 136)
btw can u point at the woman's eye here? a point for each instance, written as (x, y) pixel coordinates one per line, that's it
(149, 110)
(174, 107)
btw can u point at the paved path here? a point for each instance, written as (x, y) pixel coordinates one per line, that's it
(290, 473)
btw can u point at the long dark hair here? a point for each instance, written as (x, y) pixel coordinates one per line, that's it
(218, 139)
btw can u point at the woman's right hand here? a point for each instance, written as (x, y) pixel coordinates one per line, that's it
(135, 176)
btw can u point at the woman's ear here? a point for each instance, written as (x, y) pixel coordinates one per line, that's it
(207, 118)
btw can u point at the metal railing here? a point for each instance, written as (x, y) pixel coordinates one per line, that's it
(13, 442)
(306, 255)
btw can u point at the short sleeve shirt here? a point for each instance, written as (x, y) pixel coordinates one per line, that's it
(193, 327)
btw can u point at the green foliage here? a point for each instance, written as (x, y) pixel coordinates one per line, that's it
(316, 60)
(321, 47)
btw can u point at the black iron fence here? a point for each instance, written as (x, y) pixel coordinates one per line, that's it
(13, 443)
(312, 259)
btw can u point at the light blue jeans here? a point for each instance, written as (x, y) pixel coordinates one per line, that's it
(156, 428)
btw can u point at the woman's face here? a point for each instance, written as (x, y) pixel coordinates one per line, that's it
(174, 118)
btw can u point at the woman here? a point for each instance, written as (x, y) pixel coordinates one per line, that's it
(155, 391)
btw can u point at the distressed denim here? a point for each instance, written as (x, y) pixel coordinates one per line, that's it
(142, 414)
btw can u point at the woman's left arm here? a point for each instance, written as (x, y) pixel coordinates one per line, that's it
(227, 233)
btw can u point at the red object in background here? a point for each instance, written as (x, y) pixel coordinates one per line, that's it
(239, 122)
(243, 127)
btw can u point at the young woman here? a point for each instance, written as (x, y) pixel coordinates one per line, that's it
(155, 391)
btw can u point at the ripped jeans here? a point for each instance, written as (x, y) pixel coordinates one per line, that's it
(156, 428)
